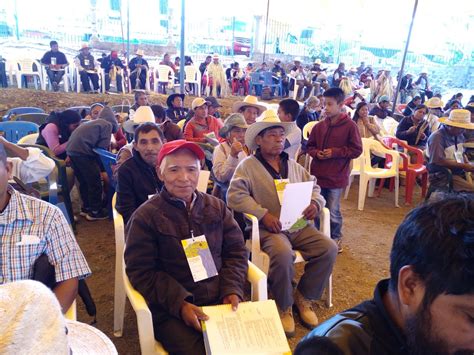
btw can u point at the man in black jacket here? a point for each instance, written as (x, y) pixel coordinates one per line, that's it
(55, 62)
(427, 306)
(113, 67)
(136, 178)
(172, 226)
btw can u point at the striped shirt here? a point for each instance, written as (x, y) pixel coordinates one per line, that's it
(29, 228)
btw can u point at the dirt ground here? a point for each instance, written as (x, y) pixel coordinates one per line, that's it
(368, 236)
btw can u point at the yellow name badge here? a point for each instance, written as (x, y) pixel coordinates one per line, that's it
(280, 185)
(199, 258)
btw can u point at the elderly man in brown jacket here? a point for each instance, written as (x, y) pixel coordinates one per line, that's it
(157, 259)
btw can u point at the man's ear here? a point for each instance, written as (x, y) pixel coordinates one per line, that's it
(411, 289)
(9, 167)
(258, 140)
(158, 172)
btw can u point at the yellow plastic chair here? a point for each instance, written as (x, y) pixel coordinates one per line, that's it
(181, 123)
(307, 129)
(29, 139)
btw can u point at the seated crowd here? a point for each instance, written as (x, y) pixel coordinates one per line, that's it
(425, 306)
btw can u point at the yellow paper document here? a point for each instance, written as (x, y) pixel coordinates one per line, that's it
(255, 328)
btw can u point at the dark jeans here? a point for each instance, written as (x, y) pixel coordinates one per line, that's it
(333, 200)
(176, 337)
(427, 93)
(87, 171)
(133, 80)
(85, 76)
(54, 75)
(119, 82)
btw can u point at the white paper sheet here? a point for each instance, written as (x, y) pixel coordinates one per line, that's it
(296, 198)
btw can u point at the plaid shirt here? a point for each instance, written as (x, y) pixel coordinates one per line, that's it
(30, 227)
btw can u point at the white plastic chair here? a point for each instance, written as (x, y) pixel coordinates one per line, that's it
(262, 260)
(25, 67)
(77, 78)
(163, 74)
(192, 76)
(65, 79)
(355, 171)
(123, 289)
(368, 174)
(388, 126)
(295, 87)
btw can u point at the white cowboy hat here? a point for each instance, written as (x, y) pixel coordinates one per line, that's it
(140, 52)
(268, 119)
(318, 61)
(458, 118)
(142, 115)
(251, 101)
(434, 102)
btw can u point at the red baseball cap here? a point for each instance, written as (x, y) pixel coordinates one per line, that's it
(173, 146)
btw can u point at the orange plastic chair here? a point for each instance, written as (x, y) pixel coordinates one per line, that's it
(411, 170)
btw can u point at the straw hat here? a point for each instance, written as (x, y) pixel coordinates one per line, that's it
(85, 339)
(84, 46)
(215, 56)
(140, 52)
(234, 120)
(434, 102)
(251, 101)
(142, 115)
(458, 118)
(268, 119)
(318, 61)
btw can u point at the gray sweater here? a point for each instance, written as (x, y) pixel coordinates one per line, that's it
(89, 135)
(252, 189)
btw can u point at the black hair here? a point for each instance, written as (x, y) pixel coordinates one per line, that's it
(437, 240)
(335, 93)
(52, 43)
(139, 93)
(262, 132)
(358, 107)
(317, 345)
(291, 107)
(158, 111)
(148, 127)
(451, 103)
(419, 107)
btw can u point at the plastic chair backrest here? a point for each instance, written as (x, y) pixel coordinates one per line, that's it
(191, 74)
(255, 78)
(108, 159)
(14, 130)
(29, 139)
(26, 66)
(165, 73)
(307, 129)
(20, 110)
(375, 147)
(38, 118)
(181, 123)
(267, 78)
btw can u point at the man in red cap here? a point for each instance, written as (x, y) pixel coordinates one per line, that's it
(113, 68)
(162, 237)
